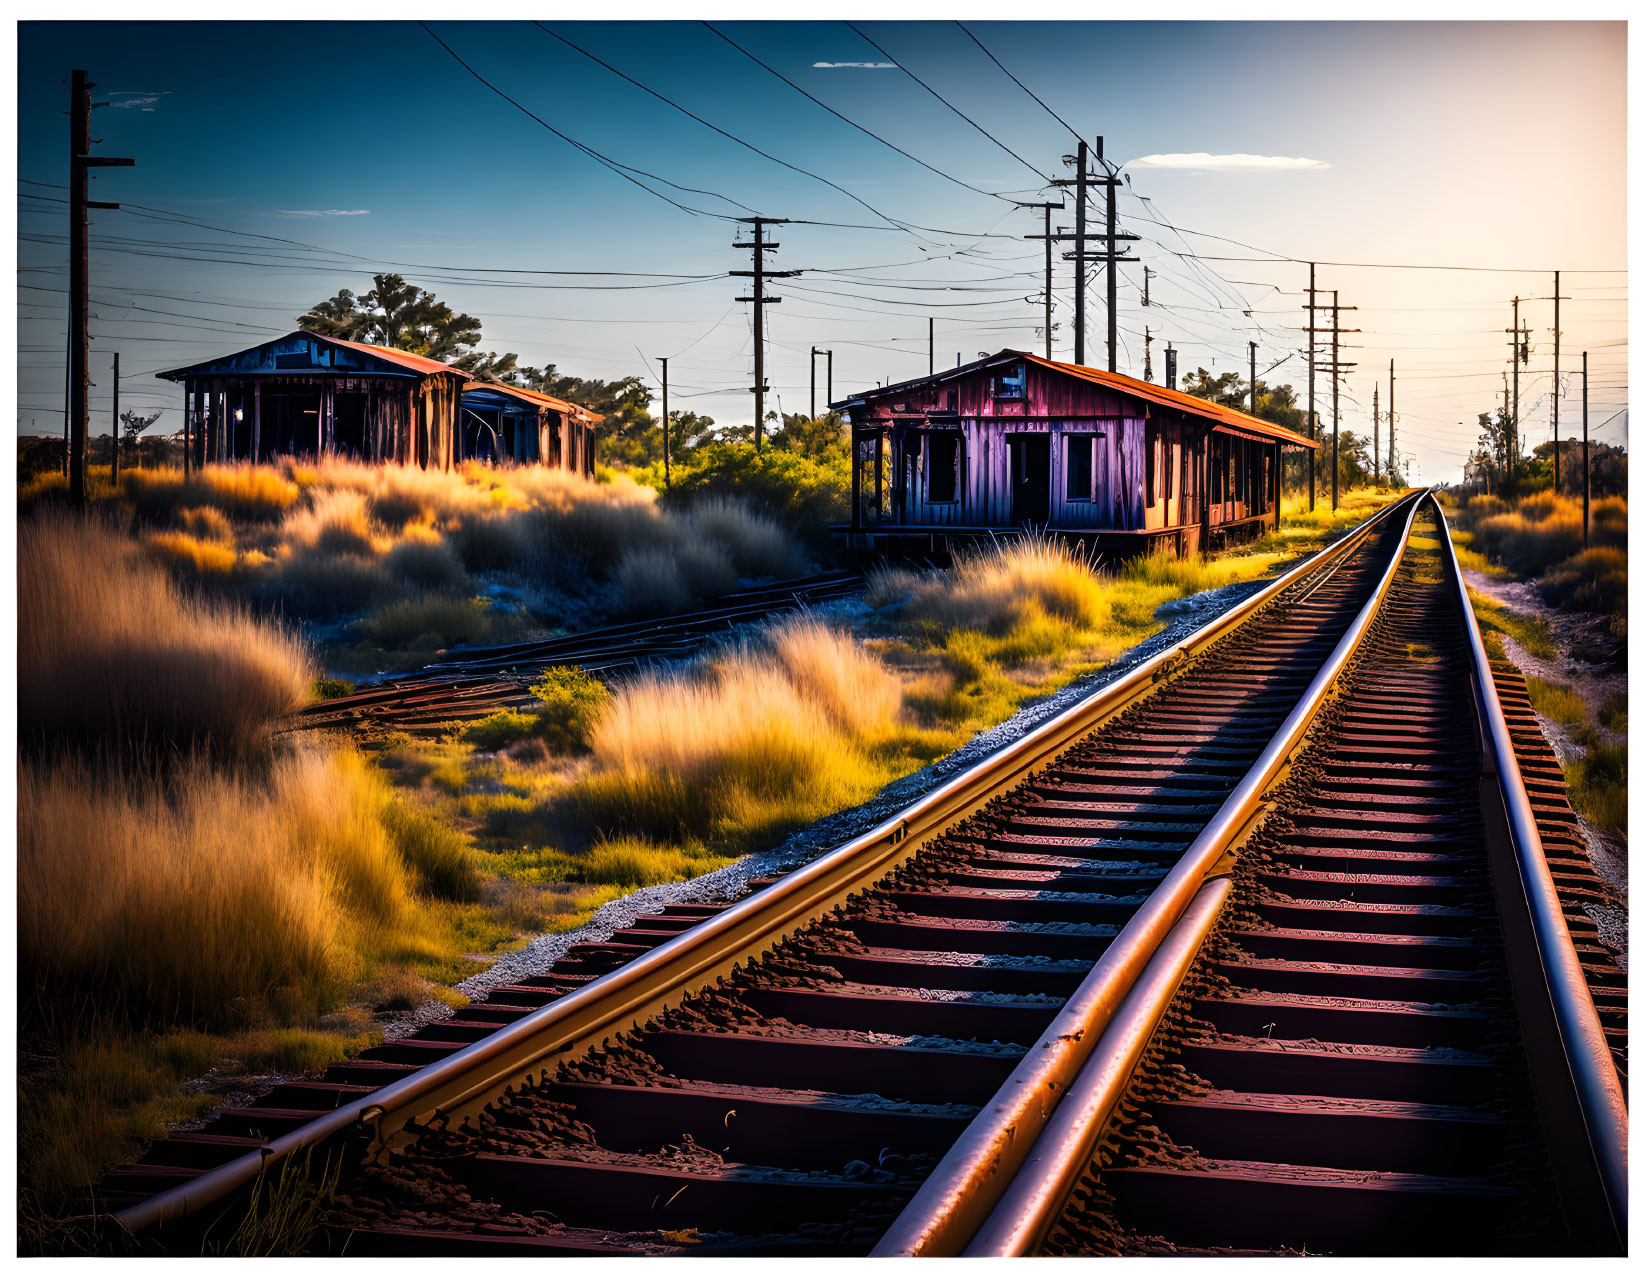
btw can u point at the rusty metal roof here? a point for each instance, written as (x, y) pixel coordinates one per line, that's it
(417, 363)
(1173, 399)
(539, 399)
(1231, 418)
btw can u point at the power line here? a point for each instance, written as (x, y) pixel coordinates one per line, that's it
(944, 102)
(1018, 83)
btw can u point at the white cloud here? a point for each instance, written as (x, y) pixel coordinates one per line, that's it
(1225, 163)
(864, 66)
(143, 98)
(323, 212)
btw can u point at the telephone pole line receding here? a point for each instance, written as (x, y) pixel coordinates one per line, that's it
(667, 459)
(81, 161)
(759, 275)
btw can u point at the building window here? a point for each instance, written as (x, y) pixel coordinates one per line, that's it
(1010, 383)
(1080, 467)
(941, 467)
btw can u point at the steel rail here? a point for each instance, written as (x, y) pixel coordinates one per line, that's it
(952, 1204)
(462, 1083)
(1035, 1198)
(1600, 1100)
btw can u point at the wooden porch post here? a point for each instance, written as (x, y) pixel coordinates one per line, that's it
(1203, 495)
(855, 473)
(327, 418)
(256, 420)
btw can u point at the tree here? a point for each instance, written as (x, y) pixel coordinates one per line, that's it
(1272, 403)
(133, 424)
(812, 436)
(399, 315)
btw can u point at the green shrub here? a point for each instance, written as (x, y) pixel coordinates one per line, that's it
(572, 701)
(331, 689)
(1613, 714)
(1597, 785)
(431, 621)
(500, 730)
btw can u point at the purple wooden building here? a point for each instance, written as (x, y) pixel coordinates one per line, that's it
(1016, 440)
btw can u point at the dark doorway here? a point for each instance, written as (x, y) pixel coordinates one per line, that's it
(1030, 479)
(349, 428)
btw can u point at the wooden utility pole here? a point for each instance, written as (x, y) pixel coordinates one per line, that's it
(1110, 255)
(1377, 432)
(1146, 285)
(759, 274)
(1520, 343)
(1147, 366)
(1049, 257)
(1392, 417)
(81, 161)
(114, 432)
(814, 351)
(1557, 389)
(1334, 369)
(667, 451)
(932, 346)
(1311, 401)
(1252, 379)
(829, 380)
(1585, 456)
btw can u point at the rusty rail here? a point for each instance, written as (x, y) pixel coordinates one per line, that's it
(957, 1197)
(1588, 1129)
(462, 1083)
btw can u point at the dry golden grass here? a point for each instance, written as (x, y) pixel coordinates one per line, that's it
(112, 655)
(1540, 531)
(763, 738)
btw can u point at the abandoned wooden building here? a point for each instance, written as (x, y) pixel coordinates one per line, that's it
(1015, 440)
(308, 394)
(510, 423)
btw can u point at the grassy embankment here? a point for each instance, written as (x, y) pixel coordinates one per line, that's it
(1539, 539)
(385, 566)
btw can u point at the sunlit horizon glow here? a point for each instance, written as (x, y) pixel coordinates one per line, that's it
(1499, 147)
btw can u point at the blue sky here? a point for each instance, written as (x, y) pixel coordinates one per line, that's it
(1496, 145)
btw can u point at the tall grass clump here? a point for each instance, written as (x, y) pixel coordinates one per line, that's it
(114, 655)
(767, 737)
(1541, 530)
(1005, 588)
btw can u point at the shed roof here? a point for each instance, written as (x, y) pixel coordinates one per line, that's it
(1161, 395)
(537, 398)
(419, 364)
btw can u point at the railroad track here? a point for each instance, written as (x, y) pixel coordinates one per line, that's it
(474, 682)
(1257, 949)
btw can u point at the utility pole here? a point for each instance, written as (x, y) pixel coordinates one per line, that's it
(1520, 350)
(1585, 457)
(81, 161)
(759, 275)
(829, 380)
(1377, 432)
(1334, 369)
(667, 451)
(1079, 256)
(1252, 379)
(1148, 367)
(932, 346)
(814, 351)
(114, 432)
(1392, 416)
(1146, 285)
(1557, 389)
(1169, 366)
(1048, 257)
(1311, 404)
